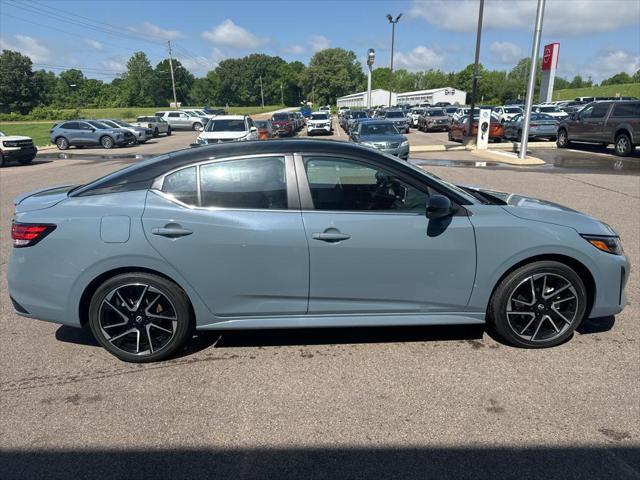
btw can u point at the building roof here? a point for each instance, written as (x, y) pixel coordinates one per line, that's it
(356, 95)
(431, 90)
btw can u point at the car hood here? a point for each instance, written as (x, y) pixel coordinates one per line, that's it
(42, 198)
(223, 135)
(535, 209)
(13, 138)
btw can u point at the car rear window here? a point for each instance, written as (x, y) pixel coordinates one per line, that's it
(281, 117)
(626, 110)
(395, 115)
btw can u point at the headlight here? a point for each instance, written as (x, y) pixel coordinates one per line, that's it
(606, 244)
(201, 141)
(404, 144)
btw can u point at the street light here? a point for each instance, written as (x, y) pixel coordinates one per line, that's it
(371, 57)
(393, 33)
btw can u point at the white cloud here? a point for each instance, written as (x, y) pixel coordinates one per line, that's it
(319, 42)
(232, 35)
(562, 17)
(32, 47)
(505, 52)
(420, 58)
(609, 63)
(202, 64)
(116, 64)
(155, 32)
(295, 49)
(94, 43)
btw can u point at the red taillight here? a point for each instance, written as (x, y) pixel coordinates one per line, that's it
(28, 234)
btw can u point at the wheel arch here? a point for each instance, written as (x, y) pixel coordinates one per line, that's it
(583, 272)
(90, 289)
(626, 130)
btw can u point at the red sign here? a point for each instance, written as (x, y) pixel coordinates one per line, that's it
(550, 51)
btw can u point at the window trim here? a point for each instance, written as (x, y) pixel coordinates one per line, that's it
(293, 198)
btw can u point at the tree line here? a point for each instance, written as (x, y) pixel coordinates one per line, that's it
(246, 81)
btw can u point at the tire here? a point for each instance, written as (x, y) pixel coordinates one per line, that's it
(197, 126)
(156, 133)
(623, 146)
(449, 136)
(110, 318)
(521, 291)
(169, 132)
(563, 139)
(24, 161)
(519, 135)
(62, 143)
(2, 162)
(107, 142)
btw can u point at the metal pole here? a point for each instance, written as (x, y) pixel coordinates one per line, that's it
(524, 141)
(261, 92)
(474, 80)
(173, 81)
(369, 88)
(281, 94)
(393, 34)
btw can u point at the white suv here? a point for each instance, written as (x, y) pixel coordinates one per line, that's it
(182, 120)
(320, 122)
(228, 128)
(16, 147)
(505, 114)
(552, 110)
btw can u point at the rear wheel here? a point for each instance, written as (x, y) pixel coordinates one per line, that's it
(106, 142)
(140, 317)
(169, 132)
(155, 132)
(538, 305)
(623, 145)
(62, 143)
(197, 126)
(563, 139)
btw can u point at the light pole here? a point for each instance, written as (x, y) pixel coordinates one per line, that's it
(393, 35)
(476, 73)
(524, 141)
(371, 56)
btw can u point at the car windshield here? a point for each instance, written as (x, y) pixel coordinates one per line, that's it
(417, 110)
(395, 115)
(548, 109)
(2, 134)
(281, 117)
(382, 128)
(319, 116)
(225, 126)
(110, 123)
(122, 124)
(359, 114)
(99, 125)
(261, 123)
(436, 113)
(451, 109)
(512, 110)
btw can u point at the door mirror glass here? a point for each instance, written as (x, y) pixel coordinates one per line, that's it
(253, 129)
(439, 206)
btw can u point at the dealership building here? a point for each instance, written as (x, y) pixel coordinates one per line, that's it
(381, 97)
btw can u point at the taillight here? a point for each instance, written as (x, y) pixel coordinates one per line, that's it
(28, 234)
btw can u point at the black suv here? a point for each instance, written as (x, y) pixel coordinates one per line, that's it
(605, 123)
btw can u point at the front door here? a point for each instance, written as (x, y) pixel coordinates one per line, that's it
(372, 250)
(227, 228)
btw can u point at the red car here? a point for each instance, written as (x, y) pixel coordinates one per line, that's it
(459, 129)
(266, 129)
(284, 124)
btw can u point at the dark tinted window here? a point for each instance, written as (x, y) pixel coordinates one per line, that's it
(251, 183)
(599, 110)
(280, 117)
(359, 114)
(182, 185)
(70, 126)
(395, 115)
(174, 114)
(626, 110)
(342, 184)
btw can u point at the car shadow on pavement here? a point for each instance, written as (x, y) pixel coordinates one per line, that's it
(549, 463)
(596, 325)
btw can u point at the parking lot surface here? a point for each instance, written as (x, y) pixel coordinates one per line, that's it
(337, 403)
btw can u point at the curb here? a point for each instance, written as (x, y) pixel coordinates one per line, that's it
(508, 158)
(513, 146)
(91, 156)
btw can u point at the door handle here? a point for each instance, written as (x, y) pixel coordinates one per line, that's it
(330, 237)
(171, 232)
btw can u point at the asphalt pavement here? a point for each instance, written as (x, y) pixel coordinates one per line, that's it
(402, 403)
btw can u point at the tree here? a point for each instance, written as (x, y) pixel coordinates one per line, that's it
(138, 82)
(68, 89)
(636, 77)
(183, 80)
(617, 79)
(44, 84)
(17, 88)
(290, 77)
(381, 78)
(205, 91)
(332, 73)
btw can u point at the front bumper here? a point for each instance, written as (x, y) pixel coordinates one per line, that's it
(318, 129)
(19, 153)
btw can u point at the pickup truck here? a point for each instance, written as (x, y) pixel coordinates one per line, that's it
(604, 123)
(157, 125)
(16, 147)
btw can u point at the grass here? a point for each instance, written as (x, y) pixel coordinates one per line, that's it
(131, 113)
(625, 89)
(38, 131)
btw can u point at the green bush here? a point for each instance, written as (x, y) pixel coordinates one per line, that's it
(11, 117)
(44, 113)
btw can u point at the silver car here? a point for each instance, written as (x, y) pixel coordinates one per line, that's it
(140, 134)
(381, 135)
(540, 126)
(182, 120)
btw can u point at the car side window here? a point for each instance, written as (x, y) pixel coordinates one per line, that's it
(345, 184)
(70, 126)
(586, 112)
(84, 126)
(182, 185)
(599, 111)
(255, 183)
(626, 110)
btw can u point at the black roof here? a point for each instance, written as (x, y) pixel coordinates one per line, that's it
(141, 175)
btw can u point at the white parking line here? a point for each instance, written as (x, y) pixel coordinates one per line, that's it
(608, 155)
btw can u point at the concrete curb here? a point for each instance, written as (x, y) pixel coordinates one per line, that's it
(512, 146)
(509, 158)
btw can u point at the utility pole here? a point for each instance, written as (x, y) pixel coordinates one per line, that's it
(393, 35)
(476, 66)
(173, 80)
(371, 56)
(281, 94)
(524, 141)
(261, 92)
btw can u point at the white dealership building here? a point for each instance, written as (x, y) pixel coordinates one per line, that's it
(381, 97)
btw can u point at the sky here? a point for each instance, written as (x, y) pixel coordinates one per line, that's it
(598, 38)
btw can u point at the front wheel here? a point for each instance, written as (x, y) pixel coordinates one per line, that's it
(538, 305)
(623, 145)
(169, 132)
(106, 142)
(197, 127)
(140, 317)
(62, 143)
(563, 139)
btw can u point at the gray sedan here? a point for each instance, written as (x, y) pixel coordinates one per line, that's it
(382, 135)
(541, 126)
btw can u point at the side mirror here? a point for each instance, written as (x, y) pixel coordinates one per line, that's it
(253, 129)
(438, 207)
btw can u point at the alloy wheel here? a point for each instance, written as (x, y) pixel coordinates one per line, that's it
(542, 307)
(137, 319)
(622, 145)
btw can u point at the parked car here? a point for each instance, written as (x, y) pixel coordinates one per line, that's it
(398, 118)
(266, 129)
(228, 128)
(434, 119)
(541, 125)
(459, 129)
(183, 121)
(415, 115)
(249, 235)
(507, 113)
(450, 110)
(320, 122)
(326, 108)
(84, 133)
(16, 148)
(157, 125)
(140, 134)
(214, 111)
(549, 110)
(198, 113)
(284, 124)
(354, 118)
(381, 135)
(461, 112)
(611, 122)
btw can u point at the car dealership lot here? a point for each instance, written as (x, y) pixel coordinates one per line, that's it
(400, 402)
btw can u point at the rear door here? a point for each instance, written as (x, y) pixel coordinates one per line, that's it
(594, 123)
(232, 227)
(372, 249)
